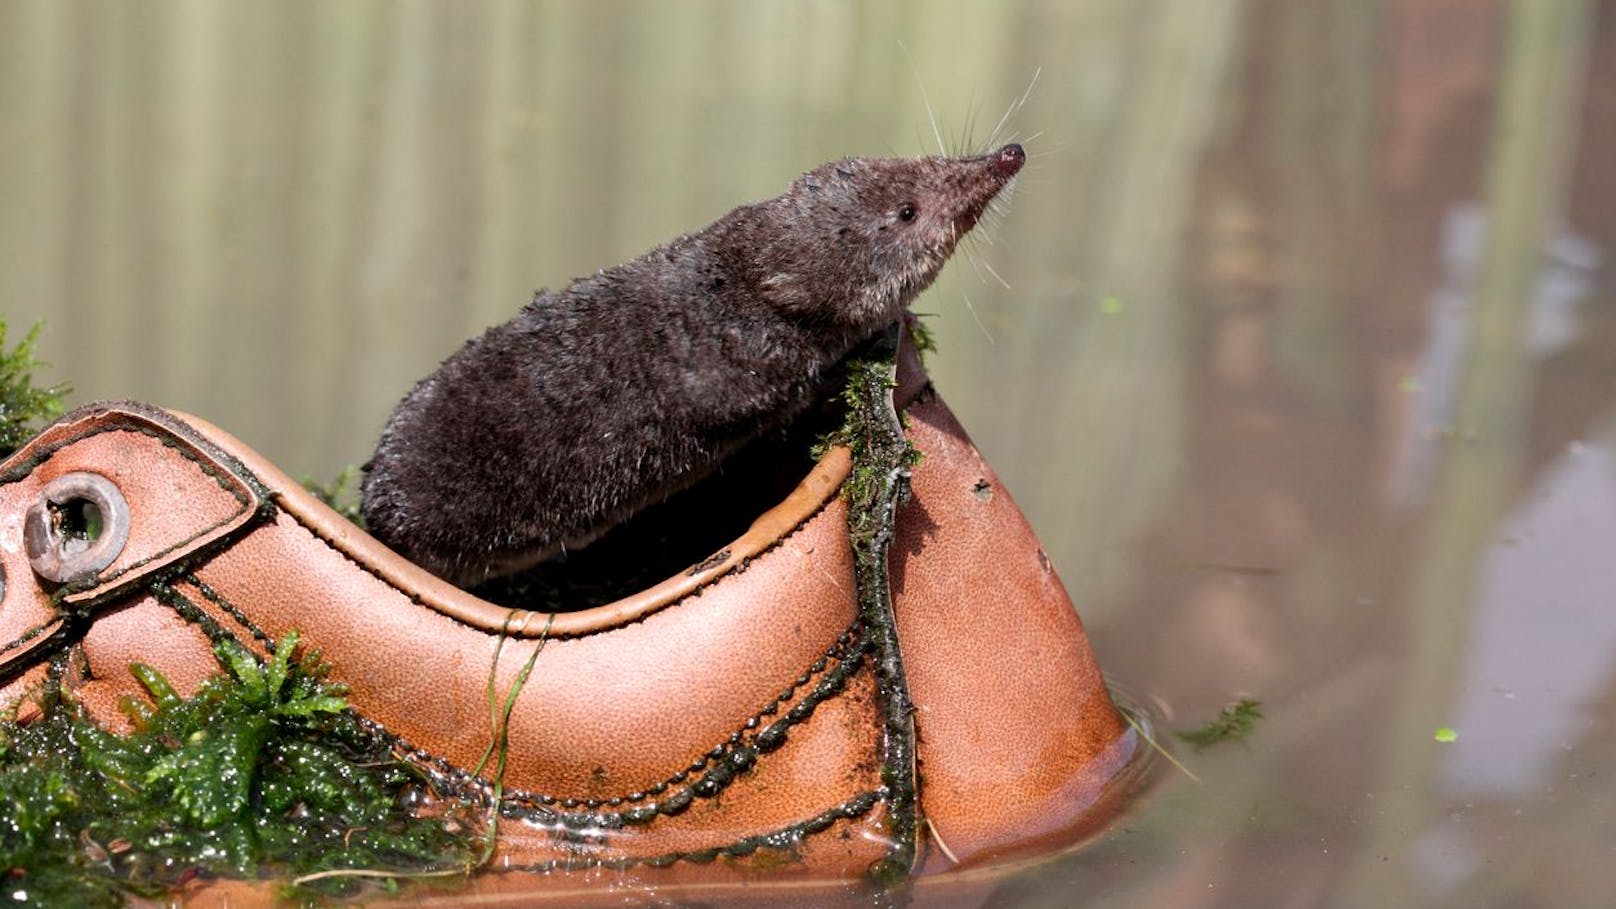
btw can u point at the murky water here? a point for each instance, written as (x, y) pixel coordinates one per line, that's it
(1305, 369)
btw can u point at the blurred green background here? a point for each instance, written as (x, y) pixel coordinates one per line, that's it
(1304, 370)
(279, 216)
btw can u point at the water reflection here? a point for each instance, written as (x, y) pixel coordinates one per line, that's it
(1306, 374)
(1565, 284)
(1543, 646)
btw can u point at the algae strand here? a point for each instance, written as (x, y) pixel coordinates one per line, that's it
(876, 487)
(1232, 724)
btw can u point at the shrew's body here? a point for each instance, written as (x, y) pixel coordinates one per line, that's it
(628, 385)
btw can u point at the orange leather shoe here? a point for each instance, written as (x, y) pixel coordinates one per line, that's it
(730, 707)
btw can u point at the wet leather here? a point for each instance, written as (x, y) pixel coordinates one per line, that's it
(1018, 736)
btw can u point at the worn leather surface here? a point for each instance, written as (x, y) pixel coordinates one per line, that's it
(1018, 733)
(631, 704)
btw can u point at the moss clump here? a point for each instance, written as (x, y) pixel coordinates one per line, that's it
(264, 771)
(876, 449)
(1232, 724)
(921, 336)
(341, 494)
(24, 407)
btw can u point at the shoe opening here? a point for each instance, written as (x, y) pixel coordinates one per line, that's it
(672, 536)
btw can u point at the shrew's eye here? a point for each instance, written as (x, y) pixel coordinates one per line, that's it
(907, 212)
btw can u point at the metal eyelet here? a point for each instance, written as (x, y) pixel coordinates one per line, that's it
(77, 526)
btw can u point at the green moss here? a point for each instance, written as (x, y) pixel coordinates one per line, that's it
(875, 451)
(341, 494)
(24, 407)
(263, 772)
(1232, 724)
(877, 485)
(920, 335)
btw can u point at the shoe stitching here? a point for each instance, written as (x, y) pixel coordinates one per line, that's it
(169, 439)
(736, 755)
(28, 635)
(519, 804)
(170, 435)
(415, 599)
(718, 766)
(213, 596)
(10, 670)
(785, 839)
(173, 598)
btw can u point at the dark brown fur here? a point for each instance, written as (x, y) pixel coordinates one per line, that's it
(605, 397)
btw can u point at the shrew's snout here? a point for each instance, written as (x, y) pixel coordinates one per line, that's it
(1007, 161)
(987, 175)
